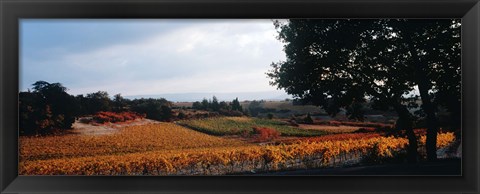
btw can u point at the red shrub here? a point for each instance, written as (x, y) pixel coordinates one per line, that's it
(265, 134)
(112, 117)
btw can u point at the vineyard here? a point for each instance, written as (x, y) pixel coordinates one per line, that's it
(170, 149)
(131, 139)
(238, 125)
(331, 129)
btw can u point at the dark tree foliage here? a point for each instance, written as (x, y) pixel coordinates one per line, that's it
(156, 109)
(197, 105)
(432, 49)
(205, 104)
(62, 104)
(215, 106)
(308, 119)
(46, 108)
(236, 105)
(119, 103)
(97, 101)
(270, 116)
(30, 112)
(49, 107)
(228, 109)
(81, 102)
(181, 115)
(356, 110)
(224, 106)
(332, 62)
(254, 108)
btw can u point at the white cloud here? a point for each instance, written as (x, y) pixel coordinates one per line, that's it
(216, 56)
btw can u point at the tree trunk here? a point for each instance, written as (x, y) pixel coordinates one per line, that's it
(424, 85)
(405, 122)
(432, 121)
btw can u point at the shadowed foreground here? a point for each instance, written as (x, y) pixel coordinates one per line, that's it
(450, 166)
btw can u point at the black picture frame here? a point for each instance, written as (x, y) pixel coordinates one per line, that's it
(13, 10)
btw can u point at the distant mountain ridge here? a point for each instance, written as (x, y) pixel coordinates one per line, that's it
(192, 97)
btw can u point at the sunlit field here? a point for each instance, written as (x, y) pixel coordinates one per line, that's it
(131, 139)
(170, 149)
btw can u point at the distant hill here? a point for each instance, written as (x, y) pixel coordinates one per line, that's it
(192, 97)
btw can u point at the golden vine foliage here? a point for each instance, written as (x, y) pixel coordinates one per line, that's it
(131, 139)
(234, 158)
(443, 139)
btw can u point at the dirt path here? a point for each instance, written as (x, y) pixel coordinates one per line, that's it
(105, 129)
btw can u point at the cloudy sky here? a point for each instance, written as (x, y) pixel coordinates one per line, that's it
(149, 57)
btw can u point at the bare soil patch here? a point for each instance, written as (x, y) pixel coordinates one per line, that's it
(107, 128)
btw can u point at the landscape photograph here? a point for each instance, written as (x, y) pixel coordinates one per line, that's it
(240, 97)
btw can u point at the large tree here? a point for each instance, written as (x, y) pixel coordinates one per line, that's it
(434, 52)
(157, 109)
(45, 108)
(119, 103)
(61, 103)
(97, 101)
(334, 63)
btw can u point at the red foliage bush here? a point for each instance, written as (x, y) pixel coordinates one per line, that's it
(265, 134)
(113, 117)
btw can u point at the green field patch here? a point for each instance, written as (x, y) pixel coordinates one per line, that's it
(240, 125)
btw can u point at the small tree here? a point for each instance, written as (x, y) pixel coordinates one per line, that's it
(119, 103)
(157, 109)
(197, 105)
(236, 105)
(308, 119)
(225, 106)
(181, 115)
(98, 101)
(254, 108)
(270, 116)
(205, 104)
(215, 105)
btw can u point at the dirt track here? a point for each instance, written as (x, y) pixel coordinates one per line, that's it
(89, 129)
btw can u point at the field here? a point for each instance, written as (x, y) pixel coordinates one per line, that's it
(131, 139)
(159, 148)
(330, 129)
(239, 125)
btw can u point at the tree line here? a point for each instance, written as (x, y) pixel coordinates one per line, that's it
(49, 107)
(225, 108)
(254, 107)
(340, 63)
